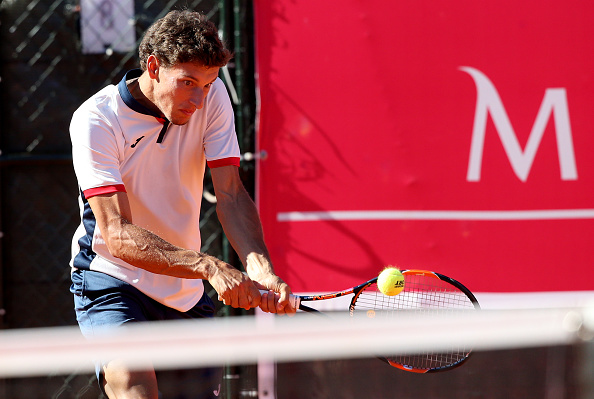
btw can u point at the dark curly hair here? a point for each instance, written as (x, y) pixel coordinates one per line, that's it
(183, 36)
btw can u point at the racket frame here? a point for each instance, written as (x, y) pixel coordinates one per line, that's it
(357, 290)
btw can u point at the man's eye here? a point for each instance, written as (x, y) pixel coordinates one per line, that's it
(188, 82)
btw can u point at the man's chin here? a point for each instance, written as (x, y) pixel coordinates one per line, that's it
(179, 121)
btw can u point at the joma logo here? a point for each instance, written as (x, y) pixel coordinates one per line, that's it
(489, 103)
(137, 141)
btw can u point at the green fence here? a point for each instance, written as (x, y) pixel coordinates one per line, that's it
(46, 72)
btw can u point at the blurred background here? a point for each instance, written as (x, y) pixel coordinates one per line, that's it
(340, 106)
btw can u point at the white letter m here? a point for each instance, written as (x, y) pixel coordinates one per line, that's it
(488, 101)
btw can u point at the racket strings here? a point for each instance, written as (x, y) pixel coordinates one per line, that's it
(421, 295)
(428, 360)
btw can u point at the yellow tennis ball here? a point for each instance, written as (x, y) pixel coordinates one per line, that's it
(390, 281)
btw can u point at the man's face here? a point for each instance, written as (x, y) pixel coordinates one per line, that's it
(179, 90)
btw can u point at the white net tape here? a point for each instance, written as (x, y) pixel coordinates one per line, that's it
(249, 340)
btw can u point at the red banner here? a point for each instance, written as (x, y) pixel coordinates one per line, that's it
(450, 136)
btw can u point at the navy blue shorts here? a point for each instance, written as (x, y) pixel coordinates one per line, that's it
(101, 301)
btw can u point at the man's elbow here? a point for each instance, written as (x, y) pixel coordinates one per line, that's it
(115, 247)
(115, 241)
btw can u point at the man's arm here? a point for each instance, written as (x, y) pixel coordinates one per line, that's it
(141, 248)
(240, 220)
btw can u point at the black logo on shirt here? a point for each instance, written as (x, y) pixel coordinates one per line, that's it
(137, 140)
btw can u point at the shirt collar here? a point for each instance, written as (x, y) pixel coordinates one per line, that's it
(129, 100)
(134, 105)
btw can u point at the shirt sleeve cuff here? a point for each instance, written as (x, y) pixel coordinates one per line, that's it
(217, 163)
(91, 192)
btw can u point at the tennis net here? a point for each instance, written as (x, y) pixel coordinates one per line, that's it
(517, 353)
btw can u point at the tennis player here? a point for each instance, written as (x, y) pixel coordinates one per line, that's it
(140, 149)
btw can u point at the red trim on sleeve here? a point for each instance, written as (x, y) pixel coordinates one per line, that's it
(91, 192)
(217, 163)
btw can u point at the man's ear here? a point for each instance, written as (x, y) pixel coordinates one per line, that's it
(152, 67)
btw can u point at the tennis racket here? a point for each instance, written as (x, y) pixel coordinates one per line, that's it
(423, 291)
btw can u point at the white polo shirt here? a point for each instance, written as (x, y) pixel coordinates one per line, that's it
(120, 145)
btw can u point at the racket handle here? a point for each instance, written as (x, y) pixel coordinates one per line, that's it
(293, 300)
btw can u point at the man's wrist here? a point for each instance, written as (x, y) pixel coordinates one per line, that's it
(257, 266)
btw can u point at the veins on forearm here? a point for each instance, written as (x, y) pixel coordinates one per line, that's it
(146, 250)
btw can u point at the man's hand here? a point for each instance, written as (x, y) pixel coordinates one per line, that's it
(235, 288)
(276, 299)
(271, 302)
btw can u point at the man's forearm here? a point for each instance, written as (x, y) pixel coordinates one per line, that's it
(242, 226)
(141, 248)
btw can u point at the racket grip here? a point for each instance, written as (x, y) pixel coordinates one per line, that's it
(293, 299)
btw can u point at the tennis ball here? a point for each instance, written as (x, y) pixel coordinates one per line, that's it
(390, 281)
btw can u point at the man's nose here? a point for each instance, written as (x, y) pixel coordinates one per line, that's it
(197, 99)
